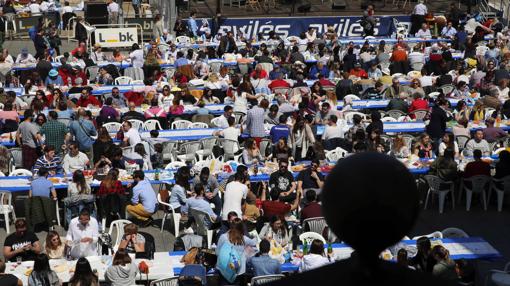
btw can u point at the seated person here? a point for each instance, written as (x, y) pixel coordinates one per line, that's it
(477, 143)
(82, 235)
(54, 246)
(310, 178)
(312, 208)
(276, 207)
(199, 203)
(132, 241)
(10, 279)
(477, 167)
(144, 201)
(276, 230)
(51, 162)
(261, 264)
(42, 187)
(21, 244)
(315, 258)
(283, 182)
(74, 160)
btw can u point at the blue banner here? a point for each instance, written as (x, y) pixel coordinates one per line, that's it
(345, 26)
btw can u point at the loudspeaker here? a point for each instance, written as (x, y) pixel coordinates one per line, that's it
(338, 4)
(305, 8)
(96, 13)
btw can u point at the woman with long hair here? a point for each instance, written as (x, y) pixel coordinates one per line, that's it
(315, 257)
(111, 196)
(282, 151)
(251, 153)
(276, 230)
(301, 138)
(54, 246)
(448, 142)
(374, 141)
(400, 148)
(102, 144)
(141, 157)
(245, 93)
(478, 112)
(165, 98)
(111, 184)
(42, 275)
(461, 111)
(235, 238)
(123, 271)
(445, 266)
(78, 186)
(180, 189)
(58, 96)
(83, 275)
(424, 146)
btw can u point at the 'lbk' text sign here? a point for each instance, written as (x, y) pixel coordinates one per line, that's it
(116, 37)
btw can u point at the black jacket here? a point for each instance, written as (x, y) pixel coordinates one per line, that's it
(437, 124)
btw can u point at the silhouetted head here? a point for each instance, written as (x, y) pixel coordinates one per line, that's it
(370, 215)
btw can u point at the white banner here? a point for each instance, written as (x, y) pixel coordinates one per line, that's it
(116, 37)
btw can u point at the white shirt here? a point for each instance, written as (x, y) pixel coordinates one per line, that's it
(133, 137)
(416, 57)
(332, 132)
(137, 58)
(222, 122)
(235, 192)
(443, 147)
(67, 9)
(423, 34)
(45, 6)
(113, 8)
(77, 231)
(420, 9)
(71, 164)
(231, 133)
(34, 8)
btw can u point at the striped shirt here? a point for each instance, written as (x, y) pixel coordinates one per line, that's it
(54, 164)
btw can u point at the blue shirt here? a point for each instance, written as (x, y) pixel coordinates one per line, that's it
(68, 114)
(177, 197)
(279, 131)
(143, 193)
(314, 70)
(193, 26)
(42, 187)
(82, 135)
(180, 62)
(264, 265)
(202, 205)
(58, 81)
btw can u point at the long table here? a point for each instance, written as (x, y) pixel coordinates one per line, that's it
(161, 267)
(459, 248)
(381, 104)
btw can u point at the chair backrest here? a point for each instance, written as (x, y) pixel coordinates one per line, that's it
(479, 182)
(214, 121)
(112, 127)
(336, 154)
(126, 151)
(208, 143)
(123, 80)
(21, 172)
(461, 141)
(169, 72)
(435, 234)
(151, 124)
(199, 125)
(16, 154)
(453, 232)
(420, 114)
(351, 97)
(136, 124)
(205, 118)
(434, 182)
(348, 116)
(134, 74)
(388, 119)
(182, 40)
(395, 113)
(316, 224)
(239, 116)
(264, 144)
(309, 237)
(190, 147)
(172, 281)
(169, 150)
(175, 165)
(199, 219)
(181, 124)
(118, 225)
(215, 66)
(6, 199)
(92, 72)
(268, 67)
(259, 280)
(228, 145)
(447, 89)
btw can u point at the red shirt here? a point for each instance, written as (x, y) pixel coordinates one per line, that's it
(91, 100)
(419, 103)
(136, 97)
(359, 73)
(262, 74)
(326, 82)
(116, 189)
(312, 210)
(278, 83)
(477, 168)
(275, 208)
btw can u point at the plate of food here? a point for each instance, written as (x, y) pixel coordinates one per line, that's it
(60, 268)
(28, 271)
(54, 180)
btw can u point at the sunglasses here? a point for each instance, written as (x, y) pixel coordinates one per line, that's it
(283, 166)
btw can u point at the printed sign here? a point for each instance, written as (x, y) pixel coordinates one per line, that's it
(116, 37)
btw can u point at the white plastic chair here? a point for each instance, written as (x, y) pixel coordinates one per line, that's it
(172, 281)
(123, 80)
(199, 125)
(388, 119)
(316, 224)
(215, 120)
(136, 124)
(309, 237)
(152, 124)
(268, 67)
(169, 150)
(112, 127)
(6, 208)
(336, 154)
(16, 154)
(170, 211)
(188, 151)
(259, 280)
(228, 148)
(500, 186)
(201, 229)
(434, 235)
(419, 114)
(351, 97)
(21, 172)
(183, 40)
(453, 232)
(175, 165)
(435, 183)
(479, 184)
(118, 225)
(2, 174)
(348, 116)
(499, 277)
(207, 147)
(181, 124)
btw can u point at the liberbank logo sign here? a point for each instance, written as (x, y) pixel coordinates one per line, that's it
(116, 37)
(292, 26)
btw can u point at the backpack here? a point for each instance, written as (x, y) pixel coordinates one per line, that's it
(229, 262)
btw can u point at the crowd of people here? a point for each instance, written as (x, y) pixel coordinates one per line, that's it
(284, 91)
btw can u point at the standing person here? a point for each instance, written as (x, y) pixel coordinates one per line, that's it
(83, 129)
(192, 24)
(158, 28)
(42, 275)
(55, 132)
(368, 23)
(28, 138)
(136, 56)
(83, 274)
(437, 124)
(144, 201)
(22, 243)
(235, 195)
(3, 22)
(136, 7)
(255, 121)
(82, 236)
(418, 16)
(8, 279)
(113, 12)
